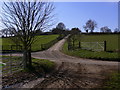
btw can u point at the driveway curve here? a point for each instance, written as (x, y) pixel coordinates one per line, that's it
(54, 53)
(79, 72)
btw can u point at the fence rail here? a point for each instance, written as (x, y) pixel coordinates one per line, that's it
(94, 46)
(11, 48)
(13, 63)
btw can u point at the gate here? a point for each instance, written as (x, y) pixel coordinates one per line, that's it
(13, 60)
(94, 46)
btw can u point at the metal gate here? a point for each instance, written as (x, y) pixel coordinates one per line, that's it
(13, 60)
(94, 46)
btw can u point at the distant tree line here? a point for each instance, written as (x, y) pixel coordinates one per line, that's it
(89, 27)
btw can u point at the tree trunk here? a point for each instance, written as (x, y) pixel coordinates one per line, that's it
(25, 59)
(29, 59)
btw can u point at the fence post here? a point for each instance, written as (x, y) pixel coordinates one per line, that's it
(104, 45)
(42, 46)
(69, 46)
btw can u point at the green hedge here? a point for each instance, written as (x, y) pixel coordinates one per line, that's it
(51, 43)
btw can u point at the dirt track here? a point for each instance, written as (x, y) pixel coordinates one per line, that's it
(74, 72)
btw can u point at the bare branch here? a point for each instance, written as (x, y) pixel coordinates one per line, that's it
(26, 18)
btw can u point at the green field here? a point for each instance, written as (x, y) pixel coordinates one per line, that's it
(111, 40)
(112, 45)
(43, 39)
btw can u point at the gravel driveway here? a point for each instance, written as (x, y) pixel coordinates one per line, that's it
(72, 72)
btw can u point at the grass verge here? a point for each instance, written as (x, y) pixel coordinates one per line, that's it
(114, 82)
(44, 64)
(111, 56)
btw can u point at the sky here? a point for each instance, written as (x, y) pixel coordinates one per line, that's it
(76, 14)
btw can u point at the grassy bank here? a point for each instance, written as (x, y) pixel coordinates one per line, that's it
(46, 65)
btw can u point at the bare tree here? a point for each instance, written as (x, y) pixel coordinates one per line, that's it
(90, 25)
(25, 18)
